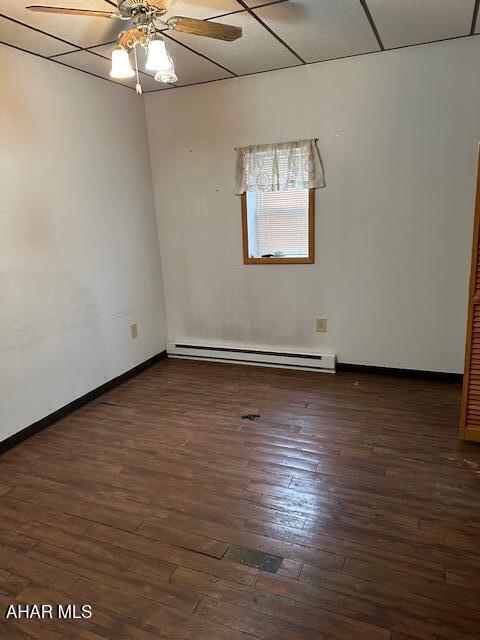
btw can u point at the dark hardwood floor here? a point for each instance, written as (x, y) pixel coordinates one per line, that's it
(357, 481)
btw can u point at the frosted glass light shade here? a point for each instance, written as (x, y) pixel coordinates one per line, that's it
(168, 76)
(157, 56)
(167, 72)
(121, 67)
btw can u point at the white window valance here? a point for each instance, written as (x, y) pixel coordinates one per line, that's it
(281, 166)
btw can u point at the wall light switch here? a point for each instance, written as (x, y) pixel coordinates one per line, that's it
(320, 325)
(134, 330)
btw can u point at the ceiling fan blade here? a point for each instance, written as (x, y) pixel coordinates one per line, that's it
(75, 12)
(162, 5)
(205, 28)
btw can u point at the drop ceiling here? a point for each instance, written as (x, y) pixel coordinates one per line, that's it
(276, 33)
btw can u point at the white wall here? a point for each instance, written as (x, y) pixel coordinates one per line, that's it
(79, 257)
(398, 132)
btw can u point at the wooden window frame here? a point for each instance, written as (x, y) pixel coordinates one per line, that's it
(311, 237)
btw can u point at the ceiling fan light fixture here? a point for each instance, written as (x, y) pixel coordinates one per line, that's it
(145, 31)
(157, 55)
(121, 66)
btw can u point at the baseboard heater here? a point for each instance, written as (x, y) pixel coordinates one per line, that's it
(254, 356)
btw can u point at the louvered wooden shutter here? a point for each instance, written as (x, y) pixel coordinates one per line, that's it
(470, 416)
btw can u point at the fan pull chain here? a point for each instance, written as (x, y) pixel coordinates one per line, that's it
(138, 87)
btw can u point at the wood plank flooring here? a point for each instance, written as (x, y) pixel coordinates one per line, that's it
(357, 481)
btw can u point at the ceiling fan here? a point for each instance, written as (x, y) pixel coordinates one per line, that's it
(146, 17)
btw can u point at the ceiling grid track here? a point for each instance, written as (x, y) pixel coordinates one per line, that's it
(244, 75)
(372, 23)
(271, 31)
(45, 33)
(224, 15)
(75, 49)
(474, 17)
(201, 55)
(234, 13)
(63, 64)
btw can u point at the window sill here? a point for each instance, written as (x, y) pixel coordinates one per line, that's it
(278, 261)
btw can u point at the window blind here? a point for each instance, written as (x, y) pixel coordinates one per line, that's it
(278, 223)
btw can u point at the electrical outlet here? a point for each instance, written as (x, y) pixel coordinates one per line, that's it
(320, 325)
(134, 331)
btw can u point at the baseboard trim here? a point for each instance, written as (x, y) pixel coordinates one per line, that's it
(43, 423)
(439, 376)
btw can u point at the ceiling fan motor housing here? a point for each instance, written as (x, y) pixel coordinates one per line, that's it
(130, 8)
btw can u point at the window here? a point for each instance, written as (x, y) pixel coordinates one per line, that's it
(277, 184)
(278, 226)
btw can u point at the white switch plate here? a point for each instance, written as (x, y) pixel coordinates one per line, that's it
(320, 325)
(134, 330)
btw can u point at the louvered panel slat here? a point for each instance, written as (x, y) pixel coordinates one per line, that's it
(470, 415)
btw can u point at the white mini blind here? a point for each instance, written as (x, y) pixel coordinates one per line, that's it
(278, 223)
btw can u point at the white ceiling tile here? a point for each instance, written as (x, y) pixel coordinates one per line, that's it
(30, 40)
(406, 22)
(78, 30)
(321, 30)
(202, 9)
(192, 68)
(257, 50)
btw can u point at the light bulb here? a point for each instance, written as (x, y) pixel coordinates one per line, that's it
(121, 67)
(157, 57)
